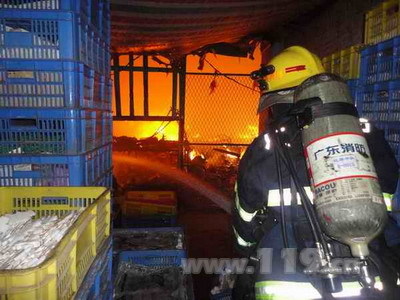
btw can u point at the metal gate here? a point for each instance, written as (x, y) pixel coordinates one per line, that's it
(216, 112)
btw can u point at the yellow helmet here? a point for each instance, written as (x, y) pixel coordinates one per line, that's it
(284, 72)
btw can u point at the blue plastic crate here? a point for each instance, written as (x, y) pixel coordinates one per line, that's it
(98, 281)
(365, 101)
(51, 35)
(394, 105)
(88, 169)
(108, 127)
(106, 17)
(158, 259)
(106, 180)
(96, 16)
(51, 84)
(121, 234)
(107, 94)
(369, 65)
(154, 258)
(392, 135)
(52, 131)
(97, 11)
(385, 58)
(396, 58)
(148, 221)
(79, 6)
(353, 88)
(379, 111)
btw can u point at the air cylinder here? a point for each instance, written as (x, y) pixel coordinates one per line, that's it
(347, 195)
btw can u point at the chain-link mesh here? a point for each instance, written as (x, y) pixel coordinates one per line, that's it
(223, 114)
(220, 121)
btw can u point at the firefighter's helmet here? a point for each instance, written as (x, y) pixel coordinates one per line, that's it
(284, 72)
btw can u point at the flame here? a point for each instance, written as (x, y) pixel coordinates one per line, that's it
(250, 133)
(143, 130)
(193, 153)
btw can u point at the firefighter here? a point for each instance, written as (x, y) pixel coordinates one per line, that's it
(257, 221)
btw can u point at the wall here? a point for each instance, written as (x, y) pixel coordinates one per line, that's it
(338, 26)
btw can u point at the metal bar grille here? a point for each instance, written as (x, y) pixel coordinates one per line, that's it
(131, 100)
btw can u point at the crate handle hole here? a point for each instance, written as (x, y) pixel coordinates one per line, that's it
(54, 200)
(23, 122)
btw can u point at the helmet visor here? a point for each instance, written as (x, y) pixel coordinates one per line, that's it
(275, 97)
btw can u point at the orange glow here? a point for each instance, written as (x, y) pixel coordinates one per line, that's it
(160, 91)
(142, 129)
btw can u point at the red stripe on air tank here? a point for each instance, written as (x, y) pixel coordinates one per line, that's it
(346, 177)
(295, 68)
(333, 134)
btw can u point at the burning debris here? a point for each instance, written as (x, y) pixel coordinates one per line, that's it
(216, 165)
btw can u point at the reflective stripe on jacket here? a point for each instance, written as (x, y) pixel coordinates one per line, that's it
(289, 290)
(274, 201)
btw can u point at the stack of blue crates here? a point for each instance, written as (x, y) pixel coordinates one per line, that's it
(98, 282)
(378, 94)
(151, 255)
(353, 86)
(55, 93)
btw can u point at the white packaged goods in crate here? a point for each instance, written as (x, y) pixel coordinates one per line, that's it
(25, 243)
